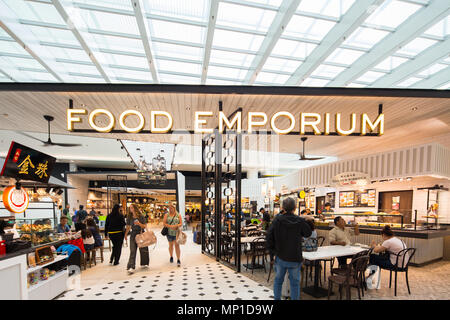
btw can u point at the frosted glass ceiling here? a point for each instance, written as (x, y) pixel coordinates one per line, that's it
(227, 42)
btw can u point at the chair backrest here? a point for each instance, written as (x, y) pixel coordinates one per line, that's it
(359, 266)
(403, 258)
(259, 244)
(320, 240)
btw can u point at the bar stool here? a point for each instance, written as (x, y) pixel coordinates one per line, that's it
(101, 253)
(91, 256)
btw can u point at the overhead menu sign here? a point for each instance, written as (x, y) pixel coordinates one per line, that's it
(351, 178)
(25, 163)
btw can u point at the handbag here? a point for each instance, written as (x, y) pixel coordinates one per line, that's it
(165, 230)
(181, 237)
(146, 239)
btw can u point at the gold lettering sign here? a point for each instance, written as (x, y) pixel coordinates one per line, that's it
(320, 125)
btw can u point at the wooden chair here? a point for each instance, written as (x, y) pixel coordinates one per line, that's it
(400, 257)
(353, 277)
(101, 253)
(90, 255)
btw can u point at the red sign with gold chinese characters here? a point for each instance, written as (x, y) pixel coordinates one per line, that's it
(15, 200)
(24, 163)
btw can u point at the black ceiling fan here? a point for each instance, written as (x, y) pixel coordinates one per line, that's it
(302, 154)
(49, 142)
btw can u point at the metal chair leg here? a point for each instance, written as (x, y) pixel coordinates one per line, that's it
(330, 287)
(395, 285)
(390, 278)
(407, 282)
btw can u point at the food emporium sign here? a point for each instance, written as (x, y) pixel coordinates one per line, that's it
(24, 163)
(351, 178)
(320, 124)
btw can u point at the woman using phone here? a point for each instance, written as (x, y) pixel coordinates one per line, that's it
(173, 221)
(136, 224)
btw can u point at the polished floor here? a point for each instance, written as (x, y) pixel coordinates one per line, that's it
(201, 277)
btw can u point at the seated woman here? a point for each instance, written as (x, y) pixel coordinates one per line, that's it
(86, 235)
(392, 246)
(92, 226)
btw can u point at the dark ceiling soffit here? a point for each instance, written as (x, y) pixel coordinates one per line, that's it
(256, 90)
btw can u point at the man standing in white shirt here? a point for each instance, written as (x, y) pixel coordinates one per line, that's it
(340, 236)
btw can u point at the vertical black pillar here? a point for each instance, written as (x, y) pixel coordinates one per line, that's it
(218, 192)
(203, 213)
(238, 201)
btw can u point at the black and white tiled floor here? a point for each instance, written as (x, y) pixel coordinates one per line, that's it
(211, 281)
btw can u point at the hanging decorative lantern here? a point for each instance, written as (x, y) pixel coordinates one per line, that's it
(15, 199)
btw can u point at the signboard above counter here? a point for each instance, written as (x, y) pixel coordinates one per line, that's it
(24, 163)
(357, 198)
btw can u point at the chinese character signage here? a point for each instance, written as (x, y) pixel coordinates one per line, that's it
(25, 163)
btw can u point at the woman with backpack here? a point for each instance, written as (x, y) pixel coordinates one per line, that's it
(173, 221)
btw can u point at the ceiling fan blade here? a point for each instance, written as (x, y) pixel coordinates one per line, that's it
(312, 158)
(30, 136)
(64, 144)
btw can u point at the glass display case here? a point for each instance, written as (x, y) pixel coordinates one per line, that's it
(394, 219)
(38, 231)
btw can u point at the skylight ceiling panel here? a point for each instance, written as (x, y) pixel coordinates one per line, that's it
(392, 13)
(370, 76)
(40, 76)
(118, 43)
(240, 16)
(344, 56)
(177, 31)
(365, 37)
(445, 86)
(416, 46)
(71, 54)
(390, 63)
(432, 69)
(168, 78)
(130, 74)
(308, 28)
(106, 21)
(440, 29)
(210, 81)
(333, 8)
(231, 58)
(311, 82)
(35, 11)
(122, 60)
(114, 4)
(327, 71)
(4, 34)
(79, 79)
(356, 85)
(12, 47)
(174, 66)
(24, 63)
(237, 40)
(284, 65)
(195, 10)
(275, 3)
(409, 82)
(291, 48)
(63, 67)
(53, 35)
(269, 77)
(177, 51)
(238, 74)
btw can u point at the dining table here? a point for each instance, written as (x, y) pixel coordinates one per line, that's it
(327, 252)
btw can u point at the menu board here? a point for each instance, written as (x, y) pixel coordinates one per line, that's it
(365, 198)
(330, 198)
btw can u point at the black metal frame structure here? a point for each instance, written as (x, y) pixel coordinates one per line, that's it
(115, 182)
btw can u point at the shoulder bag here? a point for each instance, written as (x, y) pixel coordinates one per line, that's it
(145, 239)
(165, 230)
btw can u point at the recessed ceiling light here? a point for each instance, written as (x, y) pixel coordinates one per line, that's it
(5, 115)
(414, 108)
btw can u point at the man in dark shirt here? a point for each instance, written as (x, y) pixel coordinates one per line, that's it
(284, 239)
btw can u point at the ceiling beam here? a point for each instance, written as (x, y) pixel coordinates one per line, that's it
(412, 28)
(142, 25)
(213, 9)
(25, 38)
(425, 59)
(279, 23)
(7, 75)
(349, 22)
(434, 81)
(71, 25)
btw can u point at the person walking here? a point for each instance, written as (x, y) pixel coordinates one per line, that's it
(136, 223)
(81, 214)
(173, 221)
(114, 230)
(284, 239)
